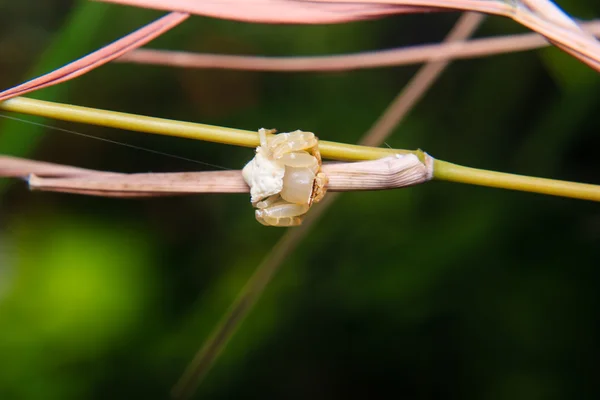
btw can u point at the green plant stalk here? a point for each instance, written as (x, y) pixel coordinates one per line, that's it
(445, 171)
(442, 170)
(188, 130)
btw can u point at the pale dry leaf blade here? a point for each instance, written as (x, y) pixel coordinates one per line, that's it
(557, 26)
(541, 16)
(277, 11)
(572, 40)
(381, 174)
(99, 57)
(498, 7)
(64, 178)
(551, 12)
(166, 183)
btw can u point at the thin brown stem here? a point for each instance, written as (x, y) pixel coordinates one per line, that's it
(418, 86)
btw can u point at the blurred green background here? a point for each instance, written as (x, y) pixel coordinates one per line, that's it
(437, 291)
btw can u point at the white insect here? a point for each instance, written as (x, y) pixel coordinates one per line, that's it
(284, 177)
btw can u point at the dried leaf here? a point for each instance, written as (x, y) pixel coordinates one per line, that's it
(542, 16)
(386, 173)
(277, 11)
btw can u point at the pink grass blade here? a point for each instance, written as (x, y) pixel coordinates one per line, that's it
(99, 57)
(64, 178)
(571, 39)
(382, 174)
(170, 183)
(550, 12)
(276, 11)
(541, 16)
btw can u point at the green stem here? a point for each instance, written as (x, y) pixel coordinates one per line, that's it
(339, 151)
(189, 130)
(445, 171)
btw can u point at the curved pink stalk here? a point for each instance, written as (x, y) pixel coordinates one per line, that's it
(276, 11)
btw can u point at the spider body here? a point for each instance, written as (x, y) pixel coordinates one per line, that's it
(284, 177)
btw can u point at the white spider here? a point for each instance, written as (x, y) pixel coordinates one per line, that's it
(284, 177)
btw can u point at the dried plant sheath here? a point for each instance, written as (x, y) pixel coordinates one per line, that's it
(386, 173)
(276, 11)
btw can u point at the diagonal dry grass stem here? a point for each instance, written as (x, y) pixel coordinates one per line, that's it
(384, 126)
